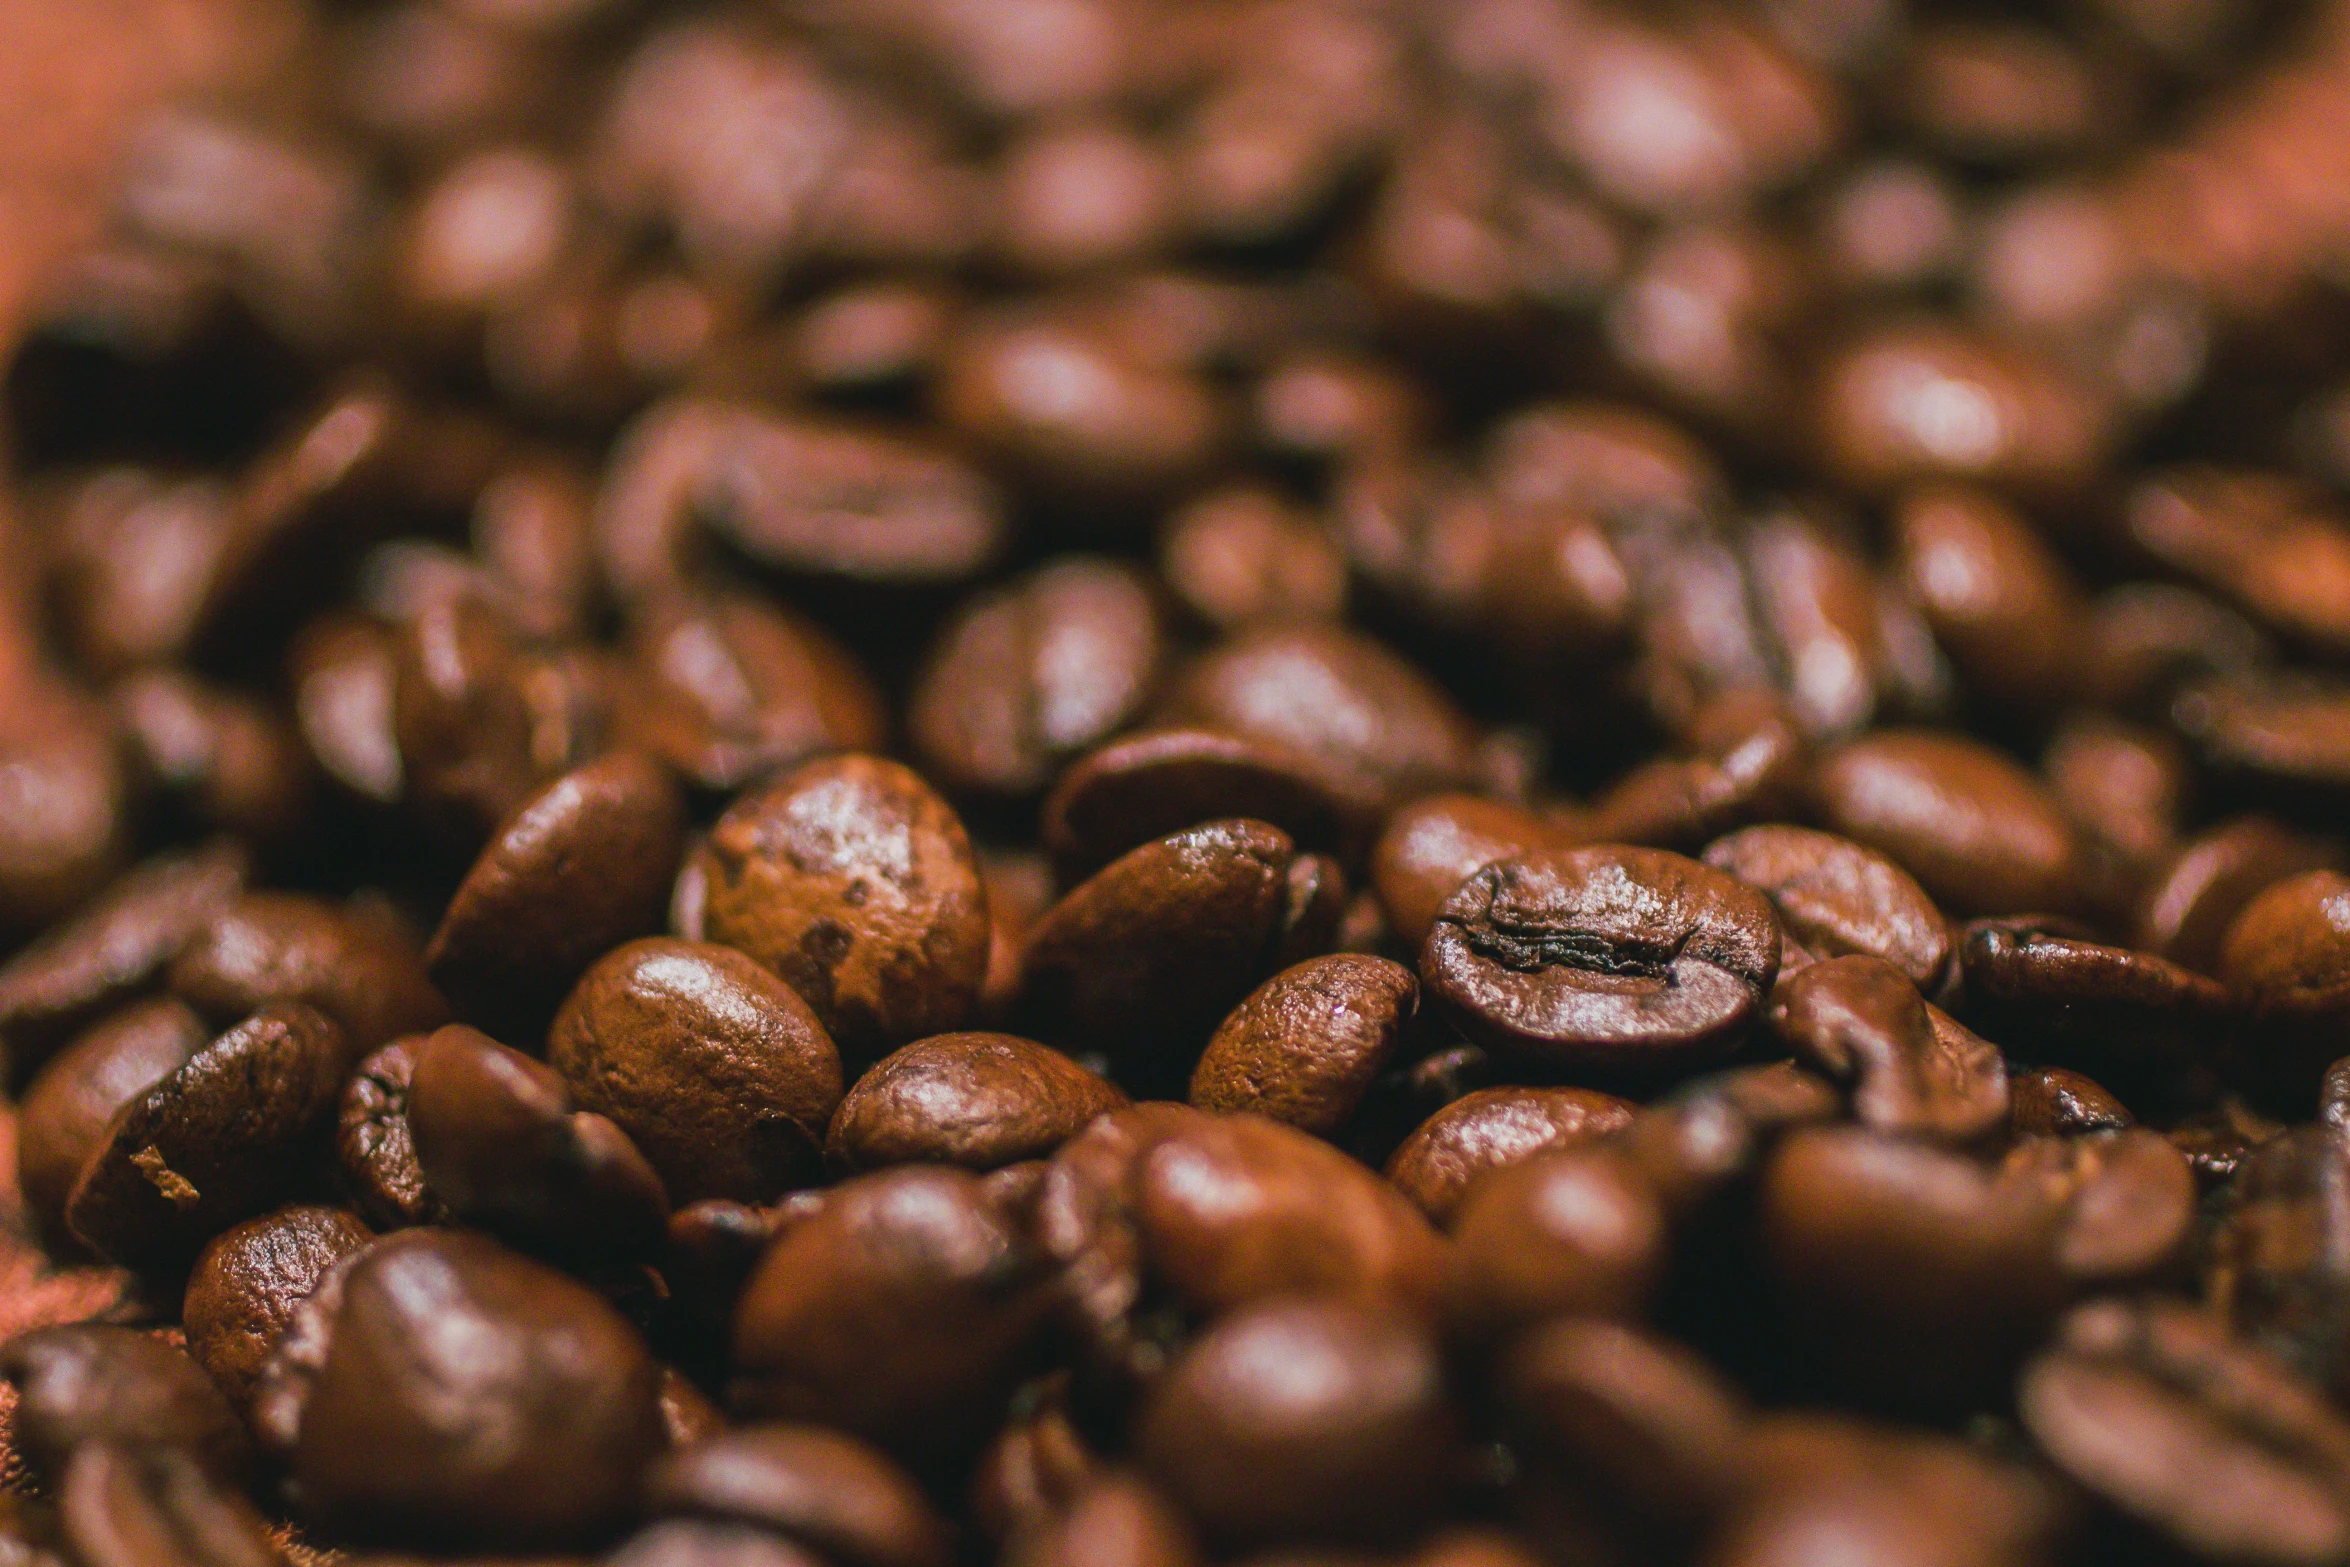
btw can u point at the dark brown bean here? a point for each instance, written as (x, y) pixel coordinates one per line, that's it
(498, 1140)
(1429, 847)
(1859, 1021)
(64, 1116)
(2130, 1016)
(214, 1141)
(1978, 832)
(1575, 1232)
(715, 1069)
(1115, 1520)
(1628, 961)
(2278, 1271)
(1999, 601)
(1028, 675)
(2187, 908)
(1839, 898)
(87, 1384)
(354, 964)
(2051, 1101)
(375, 1148)
(827, 1491)
(246, 1283)
(437, 1338)
(1491, 1129)
(980, 1101)
(1306, 1045)
(1304, 1421)
(855, 882)
(129, 1506)
(584, 864)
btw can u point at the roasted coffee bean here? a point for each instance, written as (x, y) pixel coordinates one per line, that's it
(981, 1101)
(353, 964)
(1145, 956)
(84, 1385)
(123, 1505)
(1980, 834)
(1880, 1244)
(498, 1140)
(2277, 1270)
(1491, 1129)
(725, 687)
(64, 1116)
(1575, 1232)
(2283, 737)
(2052, 1101)
(212, 1142)
(2255, 1463)
(2286, 958)
(1632, 962)
(220, 760)
(854, 882)
(2146, 638)
(1238, 556)
(585, 863)
(1037, 1464)
(2129, 1203)
(375, 1148)
(1748, 765)
(903, 1311)
(1133, 791)
(1306, 1045)
(691, 1542)
(2186, 910)
(715, 1069)
(67, 834)
(1304, 1421)
(1117, 1518)
(1999, 601)
(1706, 1138)
(2138, 1018)
(1859, 1021)
(1840, 899)
(2126, 788)
(116, 947)
(1428, 848)
(1029, 675)
(246, 1283)
(1365, 715)
(436, 1339)
(827, 1491)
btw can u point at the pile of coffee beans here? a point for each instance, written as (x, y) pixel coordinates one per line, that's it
(1136, 783)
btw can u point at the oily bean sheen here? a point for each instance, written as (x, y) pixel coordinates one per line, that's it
(715, 1069)
(1859, 1021)
(64, 1115)
(212, 1142)
(1492, 1129)
(855, 882)
(1839, 898)
(471, 1398)
(981, 1101)
(829, 1492)
(583, 865)
(87, 1383)
(1980, 834)
(1618, 960)
(246, 1283)
(1307, 1043)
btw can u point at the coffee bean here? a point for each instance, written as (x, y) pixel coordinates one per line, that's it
(1307, 1043)
(213, 1142)
(2000, 602)
(1029, 675)
(85, 1385)
(1146, 955)
(68, 837)
(352, 964)
(116, 947)
(2052, 1101)
(1859, 1021)
(2187, 908)
(1840, 899)
(901, 1311)
(1491, 1129)
(1703, 1141)
(2283, 957)
(498, 1140)
(215, 758)
(375, 1147)
(1632, 962)
(1130, 792)
(1428, 848)
(1365, 715)
(691, 1542)
(2130, 1203)
(1036, 1466)
(2272, 737)
(2134, 1017)
(1578, 1231)
(1354, 1439)
(829, 1492)
(1241, 555)
(122, 1505)
(1978, 832)
(981, 1101)
(2126, 788)
(724, 687)
(715, 1069)
(2263, 1461)
(64, 1116)
(2274, 1270)
(438, 1337)
(1118, 1518)
(585, 863)
(245, 1284)
(854, 882)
